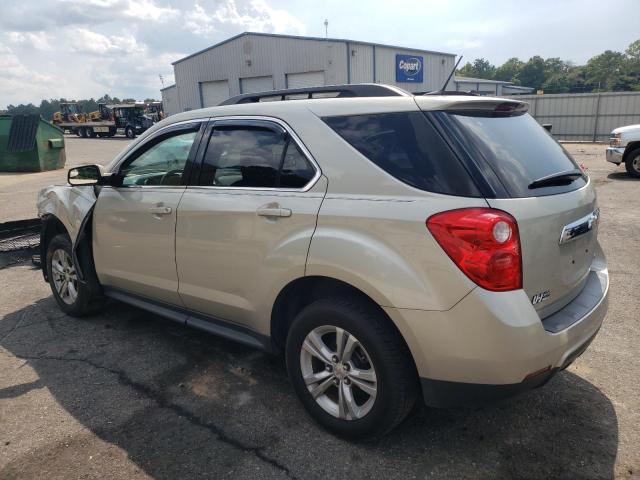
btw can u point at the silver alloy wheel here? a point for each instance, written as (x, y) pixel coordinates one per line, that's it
(64, 276)
(636, 163)
(338, 372)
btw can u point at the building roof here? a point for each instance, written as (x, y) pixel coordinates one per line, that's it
(479, 80)
(167, 88)
(297, 37)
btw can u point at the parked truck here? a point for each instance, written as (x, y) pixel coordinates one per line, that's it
(624, 147)
(108, 120)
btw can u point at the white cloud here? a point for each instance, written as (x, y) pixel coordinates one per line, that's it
(147, 10)
(254, 15)
(16, 77)
(86, 41)
(464, 43)
(198, 21)
(36, 40)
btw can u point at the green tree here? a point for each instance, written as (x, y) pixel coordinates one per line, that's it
(532, 73)
(508, 71)
(607, 71)
(28, 109)
(633, 64)
(481, 68)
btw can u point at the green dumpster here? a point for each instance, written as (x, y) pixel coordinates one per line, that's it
(30, 144)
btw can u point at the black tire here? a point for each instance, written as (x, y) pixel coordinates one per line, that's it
(130, 132)
(78, 132)
(89, 296)
(396, 377)
(90, 132)
(84, 133)
(632, 163)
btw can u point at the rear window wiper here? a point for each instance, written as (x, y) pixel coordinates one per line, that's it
(560, 178)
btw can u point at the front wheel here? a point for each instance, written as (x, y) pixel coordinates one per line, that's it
(74, 297)
(350, 367)
(130, 132)
(632, 163)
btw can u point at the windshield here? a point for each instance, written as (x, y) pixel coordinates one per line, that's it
(519, 151)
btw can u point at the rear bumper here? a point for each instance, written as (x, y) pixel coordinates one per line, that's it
(443, 394)
(614, 155)
(494, 345)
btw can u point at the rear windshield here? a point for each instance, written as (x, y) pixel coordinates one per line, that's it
(518, 150)
(406, 145)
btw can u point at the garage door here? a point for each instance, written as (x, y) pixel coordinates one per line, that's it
(256, 84)
(306, 79)
(214, 92)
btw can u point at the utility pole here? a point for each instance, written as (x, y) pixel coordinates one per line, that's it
(326, 28)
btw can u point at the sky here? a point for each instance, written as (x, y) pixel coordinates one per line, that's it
(85, 48)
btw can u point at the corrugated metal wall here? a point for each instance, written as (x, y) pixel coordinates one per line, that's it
(170, 100)
(341, 62)
(585, 116)
(436, 69)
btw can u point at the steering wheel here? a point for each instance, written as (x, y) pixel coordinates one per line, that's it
(171, 173)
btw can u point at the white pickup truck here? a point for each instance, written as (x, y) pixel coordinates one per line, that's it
(624, 147)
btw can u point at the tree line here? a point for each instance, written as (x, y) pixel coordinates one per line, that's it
(609, 71)
(48, 107)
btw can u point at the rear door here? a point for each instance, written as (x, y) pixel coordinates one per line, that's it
(557, 219)
(244, 228)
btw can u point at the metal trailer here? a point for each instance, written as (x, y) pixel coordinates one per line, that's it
(126, 118)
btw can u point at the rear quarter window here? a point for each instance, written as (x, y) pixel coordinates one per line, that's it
(406, 146)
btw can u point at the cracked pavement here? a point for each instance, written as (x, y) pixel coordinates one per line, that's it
(127, 395)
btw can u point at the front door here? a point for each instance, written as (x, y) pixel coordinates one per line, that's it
(245, 228)
(134, 224)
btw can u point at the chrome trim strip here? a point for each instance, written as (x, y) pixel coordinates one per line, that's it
(296, 139)
(581, 226)
(282, 123)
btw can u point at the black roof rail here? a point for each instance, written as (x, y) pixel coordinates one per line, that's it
(342, 91)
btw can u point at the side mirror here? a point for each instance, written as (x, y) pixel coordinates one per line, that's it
(84, 175)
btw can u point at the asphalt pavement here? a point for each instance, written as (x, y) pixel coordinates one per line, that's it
(126, 395)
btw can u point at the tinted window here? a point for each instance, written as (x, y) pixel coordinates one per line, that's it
(406, 146)
(162, 164)
(519, 151)
(255, 157)
(296, 170)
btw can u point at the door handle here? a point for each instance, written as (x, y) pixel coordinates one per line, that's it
(273, 212)
(160, 210)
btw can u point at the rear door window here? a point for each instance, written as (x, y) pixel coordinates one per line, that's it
(407, 146)
(518, 150)
(254, 156)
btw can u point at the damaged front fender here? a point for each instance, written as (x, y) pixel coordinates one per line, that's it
(70, 205)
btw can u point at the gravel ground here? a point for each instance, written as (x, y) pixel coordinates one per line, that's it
(127, 395)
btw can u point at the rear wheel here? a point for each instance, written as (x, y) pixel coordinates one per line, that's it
(350, 367)
(74, 296)
(83, 132)
(632, 163)
(130, 132)
(90, 132)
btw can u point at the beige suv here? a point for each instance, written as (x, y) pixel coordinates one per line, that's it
(394, 247)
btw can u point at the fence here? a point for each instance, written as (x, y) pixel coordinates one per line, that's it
(585, 116)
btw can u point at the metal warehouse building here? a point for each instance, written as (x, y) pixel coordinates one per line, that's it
(488, 87)
(255, 62)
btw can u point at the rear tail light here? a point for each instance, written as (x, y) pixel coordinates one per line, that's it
(484, 243)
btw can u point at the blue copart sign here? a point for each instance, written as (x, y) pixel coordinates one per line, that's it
(409, 68)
